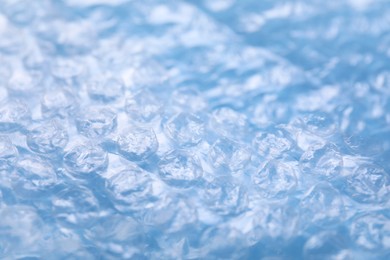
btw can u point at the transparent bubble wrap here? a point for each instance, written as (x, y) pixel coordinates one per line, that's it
(177, 129)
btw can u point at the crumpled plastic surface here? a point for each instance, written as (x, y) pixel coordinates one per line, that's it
(194, 129)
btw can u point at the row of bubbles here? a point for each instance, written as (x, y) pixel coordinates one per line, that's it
(194, 129)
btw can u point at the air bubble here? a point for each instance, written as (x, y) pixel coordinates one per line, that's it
(58, 103)
(143, 106)
(47, 138)
(131, 190)
(180, 169)
(34, 177)
(270, 145)
(75, 206)
(185, 129)
(226, 153)
(324, 161)
(94, 122)
(137, 144)
(14, 115)
(229, 123)
(84, 159)
(109, 91)
(276, 180)
(367, 183)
